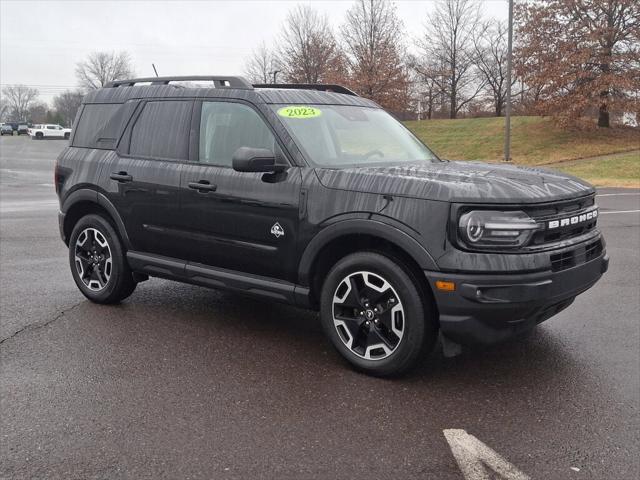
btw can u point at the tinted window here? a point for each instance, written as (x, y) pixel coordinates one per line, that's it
(162, 130)
(225, 127)
(100, 125)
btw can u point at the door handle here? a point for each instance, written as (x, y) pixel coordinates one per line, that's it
(121, 177)
(203, 186)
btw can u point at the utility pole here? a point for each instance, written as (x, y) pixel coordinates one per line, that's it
(507, 116)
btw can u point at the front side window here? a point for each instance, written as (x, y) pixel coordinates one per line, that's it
(162, 130)
(225, 127)
(340, 136)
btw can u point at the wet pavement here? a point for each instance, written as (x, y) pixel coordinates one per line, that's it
(183, 382)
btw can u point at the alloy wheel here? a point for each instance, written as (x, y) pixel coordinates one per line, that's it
(368, 315)
(93, 259)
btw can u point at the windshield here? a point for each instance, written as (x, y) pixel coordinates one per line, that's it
(338, 136)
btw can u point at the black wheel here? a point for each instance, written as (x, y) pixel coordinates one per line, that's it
(66, 136)
(97, 261)
(374, 313)
(39, 135)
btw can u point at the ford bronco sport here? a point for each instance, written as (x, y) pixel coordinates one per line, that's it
(314, 196)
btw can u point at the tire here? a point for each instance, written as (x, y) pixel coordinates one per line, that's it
(66, 136)
(111, 280)
(401, 325)
(39, 135)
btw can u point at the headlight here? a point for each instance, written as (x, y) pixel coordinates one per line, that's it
(490, 228)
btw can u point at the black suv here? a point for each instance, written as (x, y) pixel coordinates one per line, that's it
(311, 195)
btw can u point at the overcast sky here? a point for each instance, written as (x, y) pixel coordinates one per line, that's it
(41, 41)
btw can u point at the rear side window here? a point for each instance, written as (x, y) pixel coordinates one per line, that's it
(162, 130)
(100, 125)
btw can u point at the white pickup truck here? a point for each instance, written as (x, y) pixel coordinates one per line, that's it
(49, 130)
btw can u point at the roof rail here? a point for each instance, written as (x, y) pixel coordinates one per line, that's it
(218, 81)
(308, 86)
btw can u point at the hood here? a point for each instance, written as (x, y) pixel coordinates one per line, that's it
(473, 182)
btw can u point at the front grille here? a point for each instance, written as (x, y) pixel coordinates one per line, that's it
(556, 211)
(577, 256)
(561, 207)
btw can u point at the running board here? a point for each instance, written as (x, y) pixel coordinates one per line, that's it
(218, 278)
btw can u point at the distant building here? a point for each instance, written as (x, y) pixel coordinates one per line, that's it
(630, 119)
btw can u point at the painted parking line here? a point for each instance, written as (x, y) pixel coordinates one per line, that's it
(28, 206)
(616, 194)
(475, 458)
(618, 211)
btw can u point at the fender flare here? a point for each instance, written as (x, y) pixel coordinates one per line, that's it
(374, 228)
(93, 196)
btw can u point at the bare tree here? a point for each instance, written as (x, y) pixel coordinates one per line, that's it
(372, 35)
(100, 68)
(449, 41)
(4, 109)
(308, 49)
(261, 65)
(67, 104)
(427, 75)
(19, 98)
(490, 48)
(38, 112)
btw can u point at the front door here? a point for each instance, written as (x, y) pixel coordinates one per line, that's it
(240, 221)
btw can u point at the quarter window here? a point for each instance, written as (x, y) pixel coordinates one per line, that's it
(100, 124)
(162, 130)
(225, 127)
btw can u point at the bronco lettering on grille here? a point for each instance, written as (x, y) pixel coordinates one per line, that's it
(576, 219)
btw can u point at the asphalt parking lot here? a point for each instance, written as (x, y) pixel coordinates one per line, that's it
(184, 382)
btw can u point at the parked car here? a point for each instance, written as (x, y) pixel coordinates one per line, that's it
(6, 129)
(311, 195)
(48, 130)
(23, 129)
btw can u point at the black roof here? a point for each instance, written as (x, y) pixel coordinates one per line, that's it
(225, 87)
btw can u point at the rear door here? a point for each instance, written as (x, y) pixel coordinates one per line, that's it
(144, 178)
(240, 221)
(52, 131)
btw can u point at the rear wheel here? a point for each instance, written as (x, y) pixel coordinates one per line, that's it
(39, 135)
(97, 261)
(373, 312)
(66, 136)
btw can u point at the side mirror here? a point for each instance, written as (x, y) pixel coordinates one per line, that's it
(247, 159)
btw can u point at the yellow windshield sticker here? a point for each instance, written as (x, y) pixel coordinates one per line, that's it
(299, 111)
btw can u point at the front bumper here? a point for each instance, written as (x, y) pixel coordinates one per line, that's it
(487, 309)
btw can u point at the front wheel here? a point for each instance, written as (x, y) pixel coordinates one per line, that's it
(373, 311)
(97, 261)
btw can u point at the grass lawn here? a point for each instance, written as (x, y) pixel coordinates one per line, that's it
(539, 141)
(620, 170)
